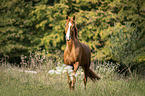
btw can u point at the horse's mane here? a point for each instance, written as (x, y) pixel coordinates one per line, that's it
(76, 32)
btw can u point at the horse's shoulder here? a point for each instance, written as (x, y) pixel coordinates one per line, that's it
(85, 46)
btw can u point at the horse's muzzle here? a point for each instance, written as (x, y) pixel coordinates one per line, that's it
(68, 38)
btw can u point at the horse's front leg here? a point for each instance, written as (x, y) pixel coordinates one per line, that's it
(69, 81)
(73, 77)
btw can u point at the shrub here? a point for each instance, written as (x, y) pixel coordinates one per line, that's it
(125, 47)
(39, 60)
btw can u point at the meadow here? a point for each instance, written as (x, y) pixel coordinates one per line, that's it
(16, 81)
(33, 40)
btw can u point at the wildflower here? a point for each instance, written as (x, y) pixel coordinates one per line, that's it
(76, 75)
(28, 71)
(78, 72)
(68, 67)
(64, 71)
(97, 67)
(20, 70)
(82, 73)
(32, 72)
(70, 71)
(79, 76)
(51, 71)
(57, 72)
(71, 77)
(59, 69)
(104, 69)
(72, 74)
(63, 65)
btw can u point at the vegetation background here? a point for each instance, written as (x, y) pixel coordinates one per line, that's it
(32, 34)
(113, 29)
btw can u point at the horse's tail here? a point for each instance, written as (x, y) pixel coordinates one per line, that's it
(92, 75)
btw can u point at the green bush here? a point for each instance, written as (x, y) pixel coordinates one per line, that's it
(125, 46)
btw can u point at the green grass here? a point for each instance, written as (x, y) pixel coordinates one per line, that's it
(15, 83)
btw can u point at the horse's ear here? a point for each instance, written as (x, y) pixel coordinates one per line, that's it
(74, 18)
(66, 17)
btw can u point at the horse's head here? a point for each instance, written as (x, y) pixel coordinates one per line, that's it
(70, 28)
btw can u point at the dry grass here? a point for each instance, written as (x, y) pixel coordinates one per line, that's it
(16, 83)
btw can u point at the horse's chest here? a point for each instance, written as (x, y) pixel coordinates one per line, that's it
(70, 57)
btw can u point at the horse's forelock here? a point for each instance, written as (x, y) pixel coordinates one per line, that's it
(75, 28)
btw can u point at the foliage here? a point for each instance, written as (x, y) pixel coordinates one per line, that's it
(18, 34)
(125, 46)
(30, 25)
(106, 69)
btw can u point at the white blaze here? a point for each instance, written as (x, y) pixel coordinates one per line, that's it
(68, 31)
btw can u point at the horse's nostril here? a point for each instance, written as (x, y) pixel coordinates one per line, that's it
(68, 38)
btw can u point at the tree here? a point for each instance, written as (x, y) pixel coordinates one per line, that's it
(17, 32)
(28, 25)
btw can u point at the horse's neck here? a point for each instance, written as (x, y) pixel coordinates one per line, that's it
(71, 44)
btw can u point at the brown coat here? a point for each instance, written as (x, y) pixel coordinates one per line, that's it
(76, 53)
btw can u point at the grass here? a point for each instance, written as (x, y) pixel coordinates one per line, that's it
(16, 83)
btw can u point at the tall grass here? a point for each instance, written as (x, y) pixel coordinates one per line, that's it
(14, 82)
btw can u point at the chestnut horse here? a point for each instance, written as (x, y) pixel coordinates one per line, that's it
(77, 54)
